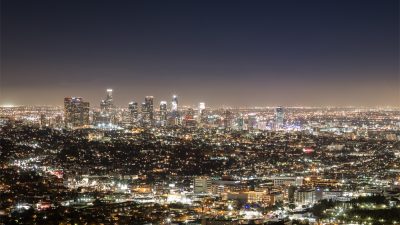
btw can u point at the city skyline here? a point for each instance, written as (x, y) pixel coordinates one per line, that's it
(233, 54)
(205, 112)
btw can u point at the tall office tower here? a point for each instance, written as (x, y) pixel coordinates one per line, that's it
(76, 112)
(109, 94)
(200, 115)
(279, 115)
(189, 120)
(227, 119)
(202, 185)
(175, 118)
(43, 120)
(202, 106)
(58, 121)
(240, 123)
(143, 111)
(133, 111)
(148, 110)
(150, 106)
(174, 103)
(107, 104)
(107, 110)
(163, 113)
(251, 121)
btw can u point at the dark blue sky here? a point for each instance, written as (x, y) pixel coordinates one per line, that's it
(222, 52)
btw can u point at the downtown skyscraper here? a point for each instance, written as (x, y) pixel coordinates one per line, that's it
(148, 111)
(279, 116)
(175, 117)
(163, 113)
(133, 110)
(76, 112)
(106, 116)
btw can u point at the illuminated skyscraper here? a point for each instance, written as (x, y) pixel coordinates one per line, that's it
(188, 119)
(175, 117)
(227, 119)
(252, 121)
(279, 116)
(43, 120)
(76, 112)
(174, 103)
(148, 110)
(107, 104)
(163, 113)
(150, 105)
(109, 95)
(202, 106)
(143, 110)
(107, 110)
(133, 111)
(240, 123)
(200, 116)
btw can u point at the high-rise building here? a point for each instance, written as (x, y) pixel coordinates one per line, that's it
(279, 115)
(143, 110)
(133, 111)
(227, 119)
(189, 120)
(174, 103)
(149, 100)
(200, 116)
(107, 104)
(148, 110)
(202, 106)
(76, 112)
(109, 94)
(240, 123)
(175, 117)
(163, 113)
(43, 120)
(107, 109)
(252, 121)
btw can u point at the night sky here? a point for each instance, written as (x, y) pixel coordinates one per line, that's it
(236, 53)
